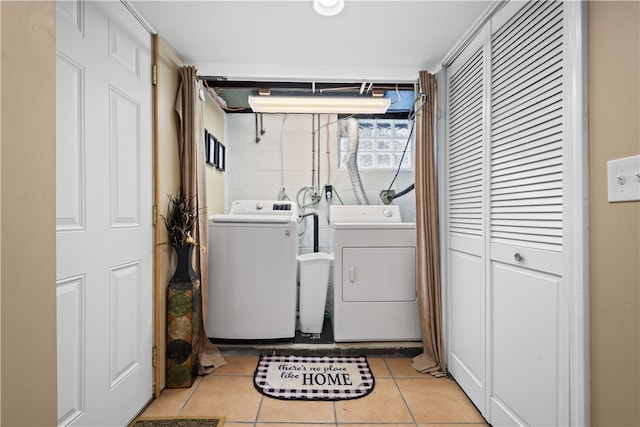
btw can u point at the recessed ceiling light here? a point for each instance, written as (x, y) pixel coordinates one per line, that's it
(328, 7)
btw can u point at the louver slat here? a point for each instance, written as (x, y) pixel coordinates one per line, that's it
(526, 129)
(465, 151)
(464, 186)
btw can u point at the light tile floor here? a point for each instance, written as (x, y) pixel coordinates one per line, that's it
(401, 397)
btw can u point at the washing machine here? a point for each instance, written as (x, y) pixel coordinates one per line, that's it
(252, 271)
(374, 276)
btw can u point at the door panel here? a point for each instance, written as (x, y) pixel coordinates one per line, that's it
(124, 120)
(535, 259)
(104, 199)
(124, 324)
(70, 309)
(468, 340)
(527, 116)
(526, 330)
(379, 274)
(70, 195)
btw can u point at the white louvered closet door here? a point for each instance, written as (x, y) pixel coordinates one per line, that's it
(465, 205)
(528, 330)
(507, 303)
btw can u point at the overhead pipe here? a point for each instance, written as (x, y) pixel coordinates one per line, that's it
(318, 157)
(313, 151)
(259, 127)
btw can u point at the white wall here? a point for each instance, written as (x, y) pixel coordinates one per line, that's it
(213, 119)
(283, 157)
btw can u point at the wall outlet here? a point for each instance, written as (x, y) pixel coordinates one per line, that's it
(623, 179)
(328, 192)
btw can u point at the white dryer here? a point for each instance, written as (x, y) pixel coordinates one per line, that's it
(252, 271)
(374, 276)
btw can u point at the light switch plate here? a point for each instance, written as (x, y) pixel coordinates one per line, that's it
(623, 179)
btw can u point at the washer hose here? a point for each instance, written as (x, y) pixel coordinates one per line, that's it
(387, 196)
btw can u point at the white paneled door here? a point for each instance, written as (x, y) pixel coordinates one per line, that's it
(103, 214)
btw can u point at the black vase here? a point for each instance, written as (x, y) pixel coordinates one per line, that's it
(184, 269)
(183, 321)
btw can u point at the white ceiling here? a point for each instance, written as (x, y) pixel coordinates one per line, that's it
(385, 41)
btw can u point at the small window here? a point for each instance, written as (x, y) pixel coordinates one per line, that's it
(381, 145)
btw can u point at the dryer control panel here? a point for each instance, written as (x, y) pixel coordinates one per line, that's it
(350, 214)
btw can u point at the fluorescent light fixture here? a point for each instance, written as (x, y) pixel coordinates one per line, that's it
(319, 104)
(328, 7)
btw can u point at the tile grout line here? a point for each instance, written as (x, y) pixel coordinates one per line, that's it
(255, 423)
(393, 377)
(190, 396)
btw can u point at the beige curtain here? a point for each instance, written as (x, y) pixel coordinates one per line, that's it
(432, 360)
(192, 181)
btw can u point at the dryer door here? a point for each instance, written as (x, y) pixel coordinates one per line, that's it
(379, 274)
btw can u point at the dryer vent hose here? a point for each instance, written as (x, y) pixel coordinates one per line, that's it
(352, 161)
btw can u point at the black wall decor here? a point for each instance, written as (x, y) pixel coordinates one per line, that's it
(207, 149)
(215, 151)
(221, 155)
(212, 158)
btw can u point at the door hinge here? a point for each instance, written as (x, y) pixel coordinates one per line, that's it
(154, 356)
(154, 74)
(154, 215)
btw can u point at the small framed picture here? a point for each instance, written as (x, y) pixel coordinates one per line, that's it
(212, 153)
(222, 157)
(207, 149)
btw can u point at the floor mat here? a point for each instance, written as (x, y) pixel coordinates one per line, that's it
(178, 422)
(313, 377)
